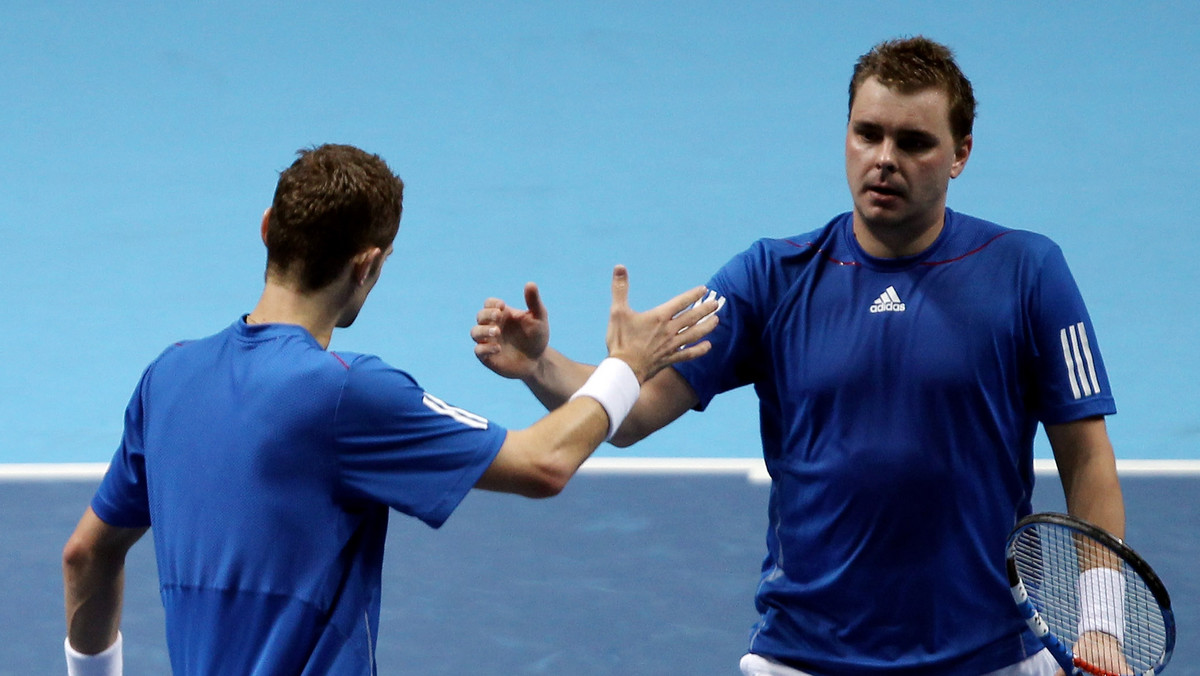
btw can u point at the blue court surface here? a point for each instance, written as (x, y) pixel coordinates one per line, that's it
(548, 141)
(646, 574)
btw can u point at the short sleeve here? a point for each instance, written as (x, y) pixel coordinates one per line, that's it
(404, 447)
(1071, 381)
(121, 500)
(729, 364)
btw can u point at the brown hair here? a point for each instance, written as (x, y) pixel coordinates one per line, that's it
(912, 64)
(333, 202)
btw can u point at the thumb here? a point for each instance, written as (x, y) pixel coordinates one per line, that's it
(533, 301)
(620, 286)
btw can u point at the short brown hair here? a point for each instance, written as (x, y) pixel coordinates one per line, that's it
(912, 64)
(330, 204)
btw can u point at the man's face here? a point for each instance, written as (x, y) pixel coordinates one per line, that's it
(900, 156)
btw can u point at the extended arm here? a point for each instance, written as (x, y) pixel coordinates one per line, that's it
(94, 581)
(1088, 470)
(539, 460)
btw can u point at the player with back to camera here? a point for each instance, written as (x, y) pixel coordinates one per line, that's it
(267, 464)
(903, 355)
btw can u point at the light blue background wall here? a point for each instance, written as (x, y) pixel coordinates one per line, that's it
(547, 141)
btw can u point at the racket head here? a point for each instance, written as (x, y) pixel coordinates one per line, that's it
(1045, 554)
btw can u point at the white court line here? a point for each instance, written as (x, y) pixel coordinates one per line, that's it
(752, 468)
(756, 472)
(52, 471)
(1135, 467)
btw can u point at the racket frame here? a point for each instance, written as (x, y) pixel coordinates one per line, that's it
(1061, 652)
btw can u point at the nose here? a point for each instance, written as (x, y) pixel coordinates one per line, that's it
(885, 159)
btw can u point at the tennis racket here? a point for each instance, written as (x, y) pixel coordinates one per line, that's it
(1096, 605)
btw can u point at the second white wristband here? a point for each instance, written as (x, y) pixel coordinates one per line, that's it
(616, 387)
(111, 662)
(1102, 602)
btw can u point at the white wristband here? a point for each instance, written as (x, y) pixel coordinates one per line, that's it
(616, 387)
(1102, 602)
(108, 663)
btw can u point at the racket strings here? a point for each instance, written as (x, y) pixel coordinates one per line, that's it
(1050, 561)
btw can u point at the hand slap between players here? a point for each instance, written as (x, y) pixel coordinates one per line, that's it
(510, 342)
(652, 340)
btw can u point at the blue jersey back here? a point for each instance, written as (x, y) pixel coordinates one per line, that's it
(266, 466)
(899, 399)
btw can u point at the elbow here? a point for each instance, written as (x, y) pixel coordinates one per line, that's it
(76, 555)
(623, 440)
(629, 434)
(546, 481)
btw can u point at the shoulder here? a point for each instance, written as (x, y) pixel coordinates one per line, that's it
(366, 365)
(770, 259)
(971, 235)
(371, 382)
(823, 240)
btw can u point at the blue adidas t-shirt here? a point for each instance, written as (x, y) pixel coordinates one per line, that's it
(899, 399)
(266, 466)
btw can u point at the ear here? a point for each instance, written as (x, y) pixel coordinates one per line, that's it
(366, 264)
(961, 154)
(265, 220)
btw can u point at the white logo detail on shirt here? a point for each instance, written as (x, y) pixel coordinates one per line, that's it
(1081, 367)
(888, 301)
(461, 415)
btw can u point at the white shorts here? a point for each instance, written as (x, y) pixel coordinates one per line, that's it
(1041, 664)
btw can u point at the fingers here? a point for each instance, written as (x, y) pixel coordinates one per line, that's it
(620, 287)
(487, 327)
(491, 312)
(484, 332)
(701, 310)
(485, 350)
(692, 298)
(712, 296)
(533, 301)
(687, 353)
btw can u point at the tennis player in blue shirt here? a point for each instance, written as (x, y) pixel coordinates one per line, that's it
(904, 355)
(266, 464)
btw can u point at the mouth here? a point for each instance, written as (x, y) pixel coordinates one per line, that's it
(882, 190)
(884, 196)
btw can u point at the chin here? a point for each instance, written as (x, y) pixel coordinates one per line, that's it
(881, 218)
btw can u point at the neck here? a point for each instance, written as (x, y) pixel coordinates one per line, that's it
(897, 240)
(284, 304)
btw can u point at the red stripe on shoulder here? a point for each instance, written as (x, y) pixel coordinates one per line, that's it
(826, 256)
(340, 360)
(972, 252)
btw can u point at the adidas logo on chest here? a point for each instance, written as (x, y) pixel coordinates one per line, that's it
(888, 301)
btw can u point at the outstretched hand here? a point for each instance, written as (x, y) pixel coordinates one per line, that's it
(510, 341)
(668, 334)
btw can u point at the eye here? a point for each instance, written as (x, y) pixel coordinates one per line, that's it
(915, 143)
(868, 133)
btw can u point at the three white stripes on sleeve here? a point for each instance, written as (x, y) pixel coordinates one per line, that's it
(1081, 369)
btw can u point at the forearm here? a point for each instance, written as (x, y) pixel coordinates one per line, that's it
(538, 461)
(556, 377)
(663, 399)
(1093, 493)
(94, 581)
(1088, 470)
(94, 591)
